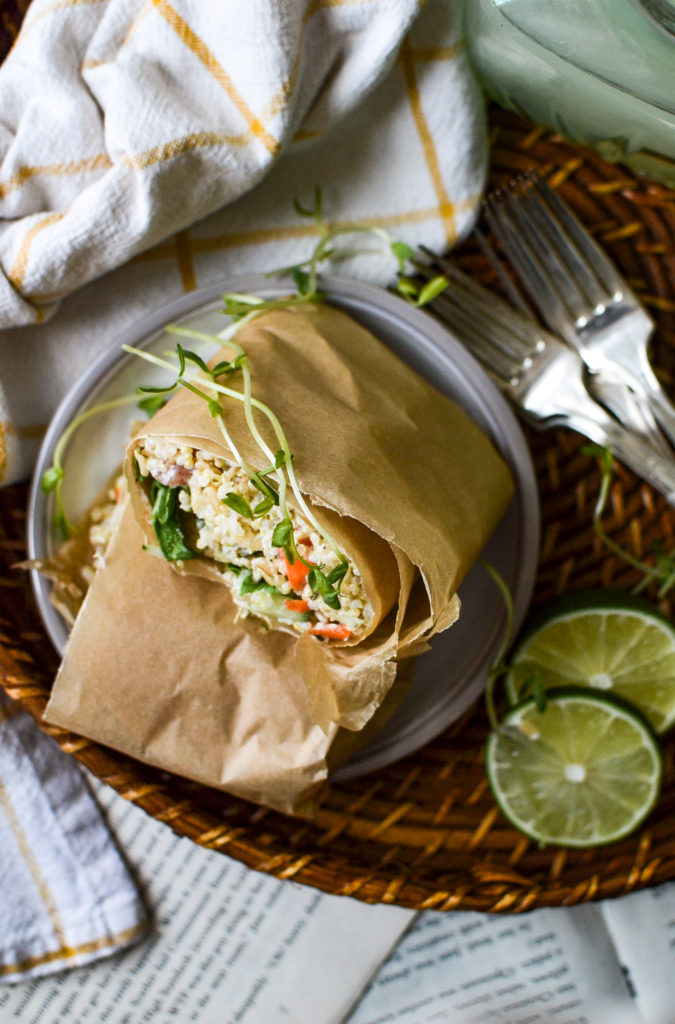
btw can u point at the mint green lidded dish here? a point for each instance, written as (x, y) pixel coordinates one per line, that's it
(602, 73)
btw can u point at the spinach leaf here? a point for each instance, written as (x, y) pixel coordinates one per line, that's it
(248, 585)
(166, 524)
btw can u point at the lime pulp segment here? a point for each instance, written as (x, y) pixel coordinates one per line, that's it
(584, 772)
(626, 651)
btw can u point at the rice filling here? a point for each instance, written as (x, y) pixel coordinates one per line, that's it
(263, 581)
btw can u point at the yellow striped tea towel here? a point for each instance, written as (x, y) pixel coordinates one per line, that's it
(66, 897)
(150, 148)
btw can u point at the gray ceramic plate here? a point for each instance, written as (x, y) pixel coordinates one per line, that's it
(453, 673)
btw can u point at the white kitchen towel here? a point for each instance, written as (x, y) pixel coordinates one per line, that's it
(66, 896)
(148, 148)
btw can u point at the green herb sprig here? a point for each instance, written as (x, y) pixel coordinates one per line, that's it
(280, 462)
(305, 275)
(421, 294)
(52, 479)
(662, 571)
(498, 666)
(242, 308)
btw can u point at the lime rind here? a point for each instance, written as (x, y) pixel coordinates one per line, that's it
(585, 600)
(585, 772)
(623, 645)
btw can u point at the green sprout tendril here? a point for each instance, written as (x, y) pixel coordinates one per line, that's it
(242, 308)
(662, 571)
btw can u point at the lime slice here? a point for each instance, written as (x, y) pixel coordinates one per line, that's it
(583, 772)
(607, 640)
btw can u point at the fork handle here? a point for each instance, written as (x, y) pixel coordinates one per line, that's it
(648, 390)
(633, 409)
(654, 467)
(663, 412)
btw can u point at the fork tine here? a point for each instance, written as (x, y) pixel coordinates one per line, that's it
(501, 338)
(502, 367)
(526, 264)
(565, 272)
(509, 287)
(557, 276)
(548, 384)
(549, 263)
(572, 268)
(585, 244)
(487, 341)
(518, 337)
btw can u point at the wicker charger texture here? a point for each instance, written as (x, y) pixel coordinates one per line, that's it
(425, 832)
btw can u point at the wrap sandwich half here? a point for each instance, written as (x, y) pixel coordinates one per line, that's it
(396, 485)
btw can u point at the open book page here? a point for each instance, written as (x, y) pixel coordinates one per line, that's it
(642, 926)
(549, 966)
(228, 946)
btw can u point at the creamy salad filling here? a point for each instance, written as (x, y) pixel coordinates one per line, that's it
(195, 486)
(103, 520)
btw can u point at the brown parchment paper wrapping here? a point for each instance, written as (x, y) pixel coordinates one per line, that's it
(374, 445)
(157, 668)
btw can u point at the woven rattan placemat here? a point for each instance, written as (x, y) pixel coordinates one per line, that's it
(425, 832)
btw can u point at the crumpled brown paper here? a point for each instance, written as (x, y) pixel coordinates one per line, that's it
(156, 665)
(376, 444)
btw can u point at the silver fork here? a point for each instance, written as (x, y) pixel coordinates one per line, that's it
(581, 297)
(542, 376)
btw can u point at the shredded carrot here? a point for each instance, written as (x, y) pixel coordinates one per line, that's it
(296, 604)
(330, 630)
(296, 574)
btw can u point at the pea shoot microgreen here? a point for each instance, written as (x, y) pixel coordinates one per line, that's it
(321, 585)
(242, 308)
(421, 294)
(498, 666)
(662, 571)
(305, 275)
(207, 386)
(238, 504)
(53, 477)
(152, 404)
